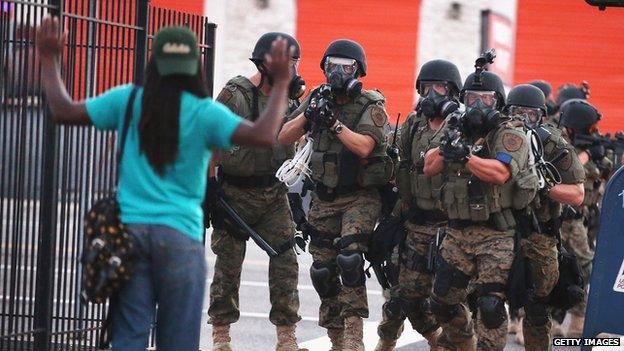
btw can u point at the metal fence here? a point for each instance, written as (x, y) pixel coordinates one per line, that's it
(49, 175)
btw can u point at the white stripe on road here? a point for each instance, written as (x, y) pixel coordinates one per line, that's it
(257, 284)
(266, 316)
(408, 337)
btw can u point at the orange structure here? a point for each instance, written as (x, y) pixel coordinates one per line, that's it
(570, 41)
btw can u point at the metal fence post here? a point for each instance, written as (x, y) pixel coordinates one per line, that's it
(47, 228)
(140, 45)
(210, 34)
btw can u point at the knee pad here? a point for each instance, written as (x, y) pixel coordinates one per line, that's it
(351, 264)
(448, 276)
(443, 312)
(325, 279)
(536, 311)
(393, 309)
(492, 310)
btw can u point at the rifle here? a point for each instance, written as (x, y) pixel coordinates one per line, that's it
(393, 150)
(241, 223)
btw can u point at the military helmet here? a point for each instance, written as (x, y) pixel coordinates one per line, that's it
(570, 91)
(542, 85)
(578, 115)
(489, 82)
(348, 49)
(527, 95)
(263, 45)
(440, 70)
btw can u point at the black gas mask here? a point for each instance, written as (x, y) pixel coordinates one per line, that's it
(436, 103)
(481, 114)
(296, 88)
(340, 73)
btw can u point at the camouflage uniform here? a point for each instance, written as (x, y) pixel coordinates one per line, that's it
(541, 247)
(422, 195)
(479, 243)
(251, 189)
(575, 225)
(345, 206)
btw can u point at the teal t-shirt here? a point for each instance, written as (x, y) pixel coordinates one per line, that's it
(174, 199)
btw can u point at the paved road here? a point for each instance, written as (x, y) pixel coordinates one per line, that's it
(255, 332)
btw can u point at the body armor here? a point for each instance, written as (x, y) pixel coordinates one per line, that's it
(337, 169)
(242, 161)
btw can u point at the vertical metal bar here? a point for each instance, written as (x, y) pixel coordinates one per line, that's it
(140, 45)
(209, 61)
(47, 222)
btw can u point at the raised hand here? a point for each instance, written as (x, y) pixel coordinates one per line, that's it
(277, 61)
(50, 41)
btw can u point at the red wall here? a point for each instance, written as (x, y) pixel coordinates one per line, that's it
(386, 29)
(570, 43)
(190, 6)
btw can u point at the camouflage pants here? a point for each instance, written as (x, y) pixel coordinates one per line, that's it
(414, 286)
(484, 255)
(267, 212)
(356, 213)
(574, 236)
(542, 251)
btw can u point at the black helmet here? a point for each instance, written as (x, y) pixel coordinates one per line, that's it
(440, 70)
(578, 115)
(348, 49)
(542, 85)
(489, 82)
(570, 91)
(263, 45)
(527, 95)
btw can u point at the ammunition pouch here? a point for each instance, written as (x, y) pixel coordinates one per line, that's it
(254, 181)
(403, 180)
(375, 171)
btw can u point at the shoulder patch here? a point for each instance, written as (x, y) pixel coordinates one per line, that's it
(378, 115)
(565, 163)
(512, 142)
(225, 95)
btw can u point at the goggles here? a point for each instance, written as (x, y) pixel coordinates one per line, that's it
(349, 66)
(440, 88)
(533, 115)
(487, 98)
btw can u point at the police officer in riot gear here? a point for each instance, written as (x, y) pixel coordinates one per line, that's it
(579, 120)
(349, 163)
(250, 187)
(551, 106)
(483, 156)
(438, 84)
(562, 178)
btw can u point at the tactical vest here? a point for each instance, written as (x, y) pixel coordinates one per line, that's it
(243, 161)
(465, 197)
(414, 186)
(338, 169)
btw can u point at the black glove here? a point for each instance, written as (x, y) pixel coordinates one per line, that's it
(455, 152)
(596, 152)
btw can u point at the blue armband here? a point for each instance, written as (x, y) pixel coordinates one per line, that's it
(504, 157)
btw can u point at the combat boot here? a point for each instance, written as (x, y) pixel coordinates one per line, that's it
(353, 334)
(221, 338)
(385, 345)
(575, 329)
(432, 339)
(286, 339)
(520, 333)
(336, 336)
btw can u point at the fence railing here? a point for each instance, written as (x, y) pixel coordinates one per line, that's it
(50, 175)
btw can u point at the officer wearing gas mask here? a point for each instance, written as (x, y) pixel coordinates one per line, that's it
(438, 84)
(348, 163)
(484, 157)
(561, 178)
(248, 181)
(552, 108)
(579, 121)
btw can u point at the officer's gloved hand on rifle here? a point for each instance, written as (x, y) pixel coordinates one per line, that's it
(596, 152)
(453, 149)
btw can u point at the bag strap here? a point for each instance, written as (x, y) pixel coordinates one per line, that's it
(124, 131)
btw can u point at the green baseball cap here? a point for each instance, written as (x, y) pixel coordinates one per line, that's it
(176, 52)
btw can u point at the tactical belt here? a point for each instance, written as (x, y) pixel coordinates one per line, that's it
(569, 213)
(460, 224)
(421, 217)
(255, 181)
(329, 194)
(318, 238)
(347, 240)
